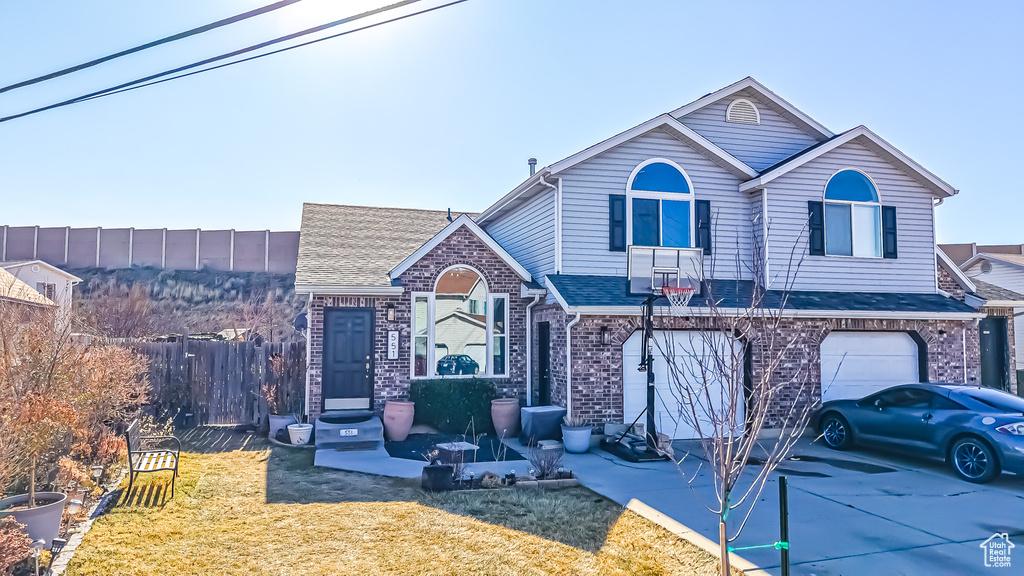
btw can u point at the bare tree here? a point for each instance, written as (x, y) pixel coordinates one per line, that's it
(740, 416)
(120, 313)
(257, 315)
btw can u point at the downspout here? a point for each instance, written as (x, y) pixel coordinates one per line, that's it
(963, 333)
(568, 364)
(309, 346)
(558, 220)
(529, 348)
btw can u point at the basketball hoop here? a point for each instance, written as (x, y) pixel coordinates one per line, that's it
(678, 298)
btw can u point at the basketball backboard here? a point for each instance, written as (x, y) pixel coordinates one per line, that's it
(650, 268)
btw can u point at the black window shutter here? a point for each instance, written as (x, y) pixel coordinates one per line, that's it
(816, 222)
(889, 232)
(703, 208)
(617, 222)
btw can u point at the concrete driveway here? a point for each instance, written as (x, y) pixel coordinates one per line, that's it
(851, 513)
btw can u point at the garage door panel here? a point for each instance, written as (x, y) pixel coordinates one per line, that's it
(673, 414)
(855, 364)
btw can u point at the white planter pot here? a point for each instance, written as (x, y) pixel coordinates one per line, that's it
(279, 422)
(299, 433)
(41, 522)
(576, 440)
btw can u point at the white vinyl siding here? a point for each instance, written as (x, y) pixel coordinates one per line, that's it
(759, 146)
(585, 190)
(528, 234)
(913, 271)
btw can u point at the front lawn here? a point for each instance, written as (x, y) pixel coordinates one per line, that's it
(243, 507)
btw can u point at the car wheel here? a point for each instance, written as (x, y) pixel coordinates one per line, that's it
(973, 460)
(835, 430)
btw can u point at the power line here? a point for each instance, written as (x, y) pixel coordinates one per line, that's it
(148, 45)
(150, 80)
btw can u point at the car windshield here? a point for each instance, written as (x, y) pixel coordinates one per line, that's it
(996, 399)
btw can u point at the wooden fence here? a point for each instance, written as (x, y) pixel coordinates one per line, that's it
(222, 382)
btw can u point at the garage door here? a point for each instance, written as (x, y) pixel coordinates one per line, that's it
(673, 415)
(855, 364)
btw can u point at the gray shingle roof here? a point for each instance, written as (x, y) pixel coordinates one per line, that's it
(995, 293)
(359, 245)
(611, 291)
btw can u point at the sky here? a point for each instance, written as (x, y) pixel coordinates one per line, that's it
(443, 109)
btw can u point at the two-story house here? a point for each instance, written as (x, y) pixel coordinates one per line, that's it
(736, 188)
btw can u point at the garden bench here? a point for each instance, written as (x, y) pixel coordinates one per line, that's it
(145, 455)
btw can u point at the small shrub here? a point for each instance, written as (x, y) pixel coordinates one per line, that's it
(452, 404)
(545, 463)
(15, 544)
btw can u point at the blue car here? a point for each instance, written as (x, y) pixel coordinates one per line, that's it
(457, 364)
(978, 431)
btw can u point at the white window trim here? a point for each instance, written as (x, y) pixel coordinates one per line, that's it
(679, 196)
(853, 217)
(431, 324)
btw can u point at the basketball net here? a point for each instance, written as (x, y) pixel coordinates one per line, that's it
(678, 298)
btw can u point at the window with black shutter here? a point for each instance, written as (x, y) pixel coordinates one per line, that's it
(816, 224)
(703, 215)
(889, 232)
(617, 222)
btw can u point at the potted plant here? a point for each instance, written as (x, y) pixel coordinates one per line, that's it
(277, 416)
(299, 432)
(576, 435)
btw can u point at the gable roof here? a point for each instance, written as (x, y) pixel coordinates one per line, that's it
(776, 102)
(946, 262)
(459, 222)
(873, 142)
(1011, 259)
(12, 289)
(350, 249)
(20, 263)
(665, 122)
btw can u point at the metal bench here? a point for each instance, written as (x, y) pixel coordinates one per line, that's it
(146, 455)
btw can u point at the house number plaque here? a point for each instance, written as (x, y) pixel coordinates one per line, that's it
(393, 345)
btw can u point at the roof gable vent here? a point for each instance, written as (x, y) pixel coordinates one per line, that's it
(986, 267)
(742, 111)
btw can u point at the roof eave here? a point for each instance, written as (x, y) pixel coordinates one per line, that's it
(348, 290)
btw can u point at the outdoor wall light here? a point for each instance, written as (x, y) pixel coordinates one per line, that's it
(606, 336)
(391, 312)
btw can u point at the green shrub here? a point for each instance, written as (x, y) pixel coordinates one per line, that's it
(450, 404)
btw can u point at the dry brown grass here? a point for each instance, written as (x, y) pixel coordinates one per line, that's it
(244, 508)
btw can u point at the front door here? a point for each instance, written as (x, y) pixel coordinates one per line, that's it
(348, 358)
(994, 352)
(544, 363)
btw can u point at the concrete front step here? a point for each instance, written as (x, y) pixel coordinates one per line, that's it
(367, 435)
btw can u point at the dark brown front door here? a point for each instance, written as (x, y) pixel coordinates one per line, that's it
(544, 363)
(348, 358)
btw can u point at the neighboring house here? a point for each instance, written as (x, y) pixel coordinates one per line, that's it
(17, 292)
(736, 188)
(50, 281)
(1001, 270)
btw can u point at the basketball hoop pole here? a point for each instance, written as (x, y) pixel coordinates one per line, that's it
(652, 433)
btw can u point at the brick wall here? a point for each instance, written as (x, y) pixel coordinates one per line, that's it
(392, 377)
(792, 355)
(949, 285)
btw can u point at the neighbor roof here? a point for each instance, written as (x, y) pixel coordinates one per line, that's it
(578, 293)
(20, 263)
(1011, 259)
(13, 289)
(345, 248)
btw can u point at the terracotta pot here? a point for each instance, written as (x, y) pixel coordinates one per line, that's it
(398, 419)
(41, 522)
(505, 415)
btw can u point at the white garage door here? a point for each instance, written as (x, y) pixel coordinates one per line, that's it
(855, 364)
(673, 415)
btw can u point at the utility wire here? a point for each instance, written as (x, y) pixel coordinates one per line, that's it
(148, 80)
(258, 56)
(148, 45)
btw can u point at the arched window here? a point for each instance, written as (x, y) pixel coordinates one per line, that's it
(659, 205)
(459, 329)
(853, 220)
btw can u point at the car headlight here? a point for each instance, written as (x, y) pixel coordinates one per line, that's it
(1014, 428)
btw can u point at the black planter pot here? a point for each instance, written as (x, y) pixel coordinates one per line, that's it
(437, 477)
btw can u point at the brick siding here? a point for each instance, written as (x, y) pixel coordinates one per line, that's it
(391, 377)
(949, 285)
